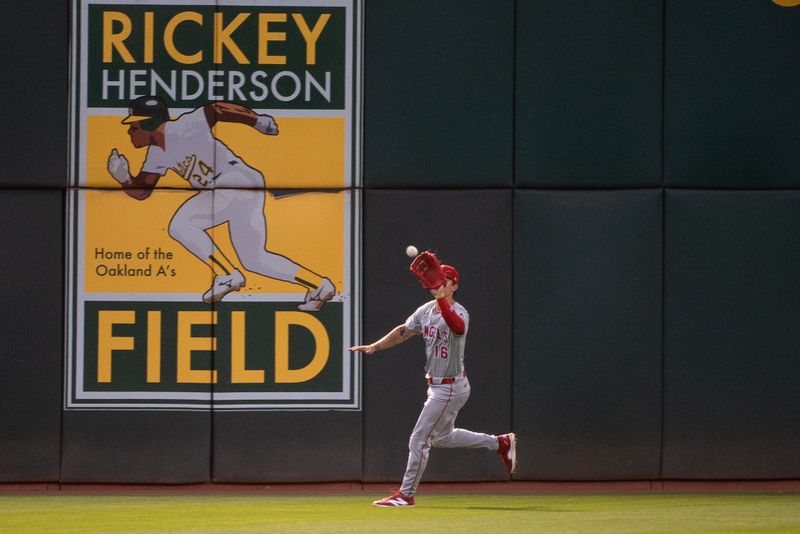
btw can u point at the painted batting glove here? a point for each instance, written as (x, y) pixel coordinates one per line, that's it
(118, 167)
(266, 125)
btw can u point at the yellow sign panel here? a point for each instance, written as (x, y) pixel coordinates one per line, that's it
(306, 151)
(212, 228)
(131, 251)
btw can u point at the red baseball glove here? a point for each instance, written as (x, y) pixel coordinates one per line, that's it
(428, 270)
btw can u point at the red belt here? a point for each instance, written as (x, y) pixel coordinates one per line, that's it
(445, 380)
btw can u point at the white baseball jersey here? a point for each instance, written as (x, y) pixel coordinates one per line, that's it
(436, 423)
(444, 350)
(192, 151)
(230, 192)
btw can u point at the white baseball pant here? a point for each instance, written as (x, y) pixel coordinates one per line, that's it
(243, 210)
(436, 428)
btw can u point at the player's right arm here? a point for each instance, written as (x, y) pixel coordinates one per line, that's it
(140, 186)
(398, 335)
(228, 112)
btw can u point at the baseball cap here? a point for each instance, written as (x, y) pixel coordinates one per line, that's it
(450, 272)
(147, 107)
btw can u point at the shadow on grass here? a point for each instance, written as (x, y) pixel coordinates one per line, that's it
(501, 508)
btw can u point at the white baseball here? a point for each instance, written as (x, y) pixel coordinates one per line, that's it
(411, 251)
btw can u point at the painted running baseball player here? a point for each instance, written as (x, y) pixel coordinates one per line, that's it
(187, 146)
(443, 323)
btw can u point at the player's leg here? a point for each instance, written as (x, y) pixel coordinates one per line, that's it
(188, 226)
(459, 438)
(189, 223)
(244, 211)
(435, 411)
(446, 436)
(419, 447)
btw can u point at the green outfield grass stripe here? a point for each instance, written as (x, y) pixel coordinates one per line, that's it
(239, 514)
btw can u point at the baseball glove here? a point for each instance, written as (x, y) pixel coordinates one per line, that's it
(428, 270)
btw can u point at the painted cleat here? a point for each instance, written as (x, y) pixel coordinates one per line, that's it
(223, 285)
(395, 499)
(507, 449)
(316, 298)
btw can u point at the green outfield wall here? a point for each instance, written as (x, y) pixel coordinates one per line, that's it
(618, 183)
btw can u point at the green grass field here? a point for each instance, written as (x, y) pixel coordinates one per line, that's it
(233, 513)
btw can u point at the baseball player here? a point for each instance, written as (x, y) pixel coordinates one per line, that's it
(224, 182)
(443, 323)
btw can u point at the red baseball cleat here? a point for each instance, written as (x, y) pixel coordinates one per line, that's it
(507, 449)
(395, 499)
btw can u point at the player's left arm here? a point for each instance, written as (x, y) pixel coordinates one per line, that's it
(453, 320)
(228, 112)
(442, 295)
